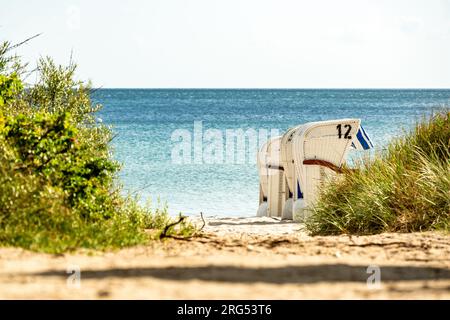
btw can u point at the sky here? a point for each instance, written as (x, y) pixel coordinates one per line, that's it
(239, 43)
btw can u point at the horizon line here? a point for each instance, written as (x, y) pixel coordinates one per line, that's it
(264, 88)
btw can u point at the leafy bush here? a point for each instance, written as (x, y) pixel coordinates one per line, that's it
(58, 187)
(10, 86)
(47, 145)
(406, 188)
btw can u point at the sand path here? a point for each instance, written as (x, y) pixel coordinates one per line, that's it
(240, 258)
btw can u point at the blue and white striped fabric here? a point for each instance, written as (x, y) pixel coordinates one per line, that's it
(362, 141)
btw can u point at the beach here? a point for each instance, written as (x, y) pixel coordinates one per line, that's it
(240, 258)
(225, 150)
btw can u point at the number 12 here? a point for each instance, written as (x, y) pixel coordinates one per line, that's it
(346, 134)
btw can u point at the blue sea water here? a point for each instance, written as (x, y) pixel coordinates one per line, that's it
(145, 119)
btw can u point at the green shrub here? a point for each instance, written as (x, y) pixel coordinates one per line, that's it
(58, 179)
(48, 146)
(10, 86)
(406, 188)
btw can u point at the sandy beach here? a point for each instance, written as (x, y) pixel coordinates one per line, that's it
(240, 258)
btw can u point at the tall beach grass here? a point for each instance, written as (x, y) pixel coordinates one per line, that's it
(404, 188)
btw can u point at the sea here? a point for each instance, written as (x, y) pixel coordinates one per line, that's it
(194, 150)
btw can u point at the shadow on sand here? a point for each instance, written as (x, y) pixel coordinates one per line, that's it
(281, 275)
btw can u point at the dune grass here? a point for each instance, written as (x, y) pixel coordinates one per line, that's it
(404, 188)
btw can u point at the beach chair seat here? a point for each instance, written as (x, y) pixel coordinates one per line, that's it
(272, 189)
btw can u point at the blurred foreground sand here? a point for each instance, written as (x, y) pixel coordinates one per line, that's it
(240, 258)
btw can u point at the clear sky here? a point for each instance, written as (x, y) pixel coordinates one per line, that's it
(240, 43)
